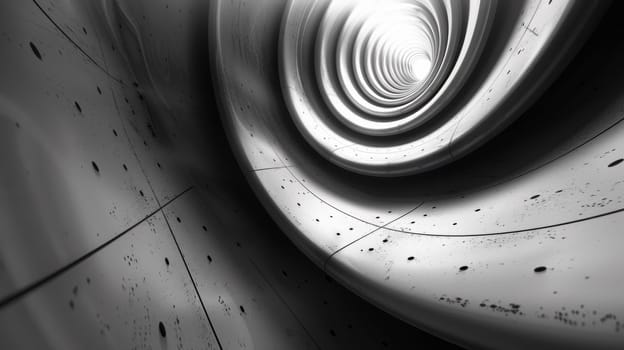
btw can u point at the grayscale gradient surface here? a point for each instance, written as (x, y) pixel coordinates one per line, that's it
(292, 174)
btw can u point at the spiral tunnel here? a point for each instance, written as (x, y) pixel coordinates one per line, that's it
(327, 174)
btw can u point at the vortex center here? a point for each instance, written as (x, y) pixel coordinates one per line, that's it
(420, 67)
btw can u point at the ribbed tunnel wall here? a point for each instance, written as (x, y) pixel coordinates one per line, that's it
(129, 218)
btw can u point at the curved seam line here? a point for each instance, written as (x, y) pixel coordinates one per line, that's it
(328, 204)
(498, 184)
(58, 27)
(512, 231)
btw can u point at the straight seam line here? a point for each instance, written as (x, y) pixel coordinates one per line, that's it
(188, 270)
(285, 303)
(31, 287)
(366, 235)
(269, 168)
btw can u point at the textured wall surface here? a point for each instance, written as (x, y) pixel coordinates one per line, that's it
(159, 188)
(126, 222)
(512, 244)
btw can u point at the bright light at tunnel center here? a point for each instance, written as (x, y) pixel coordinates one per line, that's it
(401, 24)
(420, 67)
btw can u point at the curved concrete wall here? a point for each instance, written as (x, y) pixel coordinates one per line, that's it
(128, 220)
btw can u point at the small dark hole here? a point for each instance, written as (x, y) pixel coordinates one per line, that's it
(540, 269)
(242, 309)
(167, 261)
(95, 167)
(162, 330)
(616, 163)
(209, 258)
(125, 167)
(114, 132)
(179, 220)
(410, 258)
(534, 197)
(463, 268)
(204, 228)
(78, 107)
(35, 50)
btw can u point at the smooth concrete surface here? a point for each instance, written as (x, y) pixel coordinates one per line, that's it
(157, 192)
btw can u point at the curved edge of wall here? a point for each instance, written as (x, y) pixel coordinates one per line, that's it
(126, 222)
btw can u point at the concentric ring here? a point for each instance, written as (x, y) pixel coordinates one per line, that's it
(352, 70)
